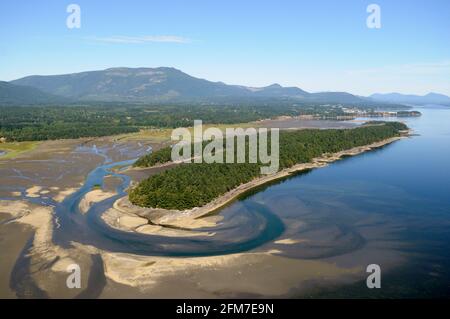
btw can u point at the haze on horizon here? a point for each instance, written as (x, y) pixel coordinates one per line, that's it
(317, 46)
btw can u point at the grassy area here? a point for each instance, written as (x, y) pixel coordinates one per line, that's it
(163, 135)
(157, 135)
(13, 149)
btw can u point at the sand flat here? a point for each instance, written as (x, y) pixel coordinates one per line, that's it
(13, 237)
(227, 275)
(92, 197)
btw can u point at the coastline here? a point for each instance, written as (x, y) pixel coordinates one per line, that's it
(152, 276)
(192, 218)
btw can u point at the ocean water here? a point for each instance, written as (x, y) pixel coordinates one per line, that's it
(393, 202)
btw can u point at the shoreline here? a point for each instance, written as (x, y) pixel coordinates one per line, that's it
(153, 276)
(190, 219)
(158, 276)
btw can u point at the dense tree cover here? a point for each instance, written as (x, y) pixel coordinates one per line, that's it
(64, 131)
(54, 122)
(396, 125)
(159, 157)
(190, 185)
(164, 155)
(47, 123)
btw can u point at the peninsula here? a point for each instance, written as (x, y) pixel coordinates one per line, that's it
(196, 189)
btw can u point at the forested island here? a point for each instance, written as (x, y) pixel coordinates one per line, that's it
(195, 184)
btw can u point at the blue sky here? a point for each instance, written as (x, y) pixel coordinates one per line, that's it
(316, 45)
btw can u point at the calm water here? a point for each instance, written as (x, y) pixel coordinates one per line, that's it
(397, 197)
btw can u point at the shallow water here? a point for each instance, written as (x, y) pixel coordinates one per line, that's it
(402, 191)
(256, 226)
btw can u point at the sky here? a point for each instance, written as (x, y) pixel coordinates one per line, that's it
(320, 45)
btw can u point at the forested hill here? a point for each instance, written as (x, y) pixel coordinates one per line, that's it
(194, 185)
(11, 94)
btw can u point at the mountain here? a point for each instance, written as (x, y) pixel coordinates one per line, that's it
(276, 90)
(130, 84)
(430, 98)
(164, 84)
(337, 97)
(11, 94)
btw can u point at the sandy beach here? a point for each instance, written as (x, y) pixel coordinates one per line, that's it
(94, 196)
(236, 275)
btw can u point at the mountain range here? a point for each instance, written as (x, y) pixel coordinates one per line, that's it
(430, 98)
(164, 84)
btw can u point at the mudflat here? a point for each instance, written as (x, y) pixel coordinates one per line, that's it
(13, 237)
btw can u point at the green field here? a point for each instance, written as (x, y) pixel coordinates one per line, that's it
(15, 148)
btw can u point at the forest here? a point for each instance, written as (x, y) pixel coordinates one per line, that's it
(196, 184)
(36, 123)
